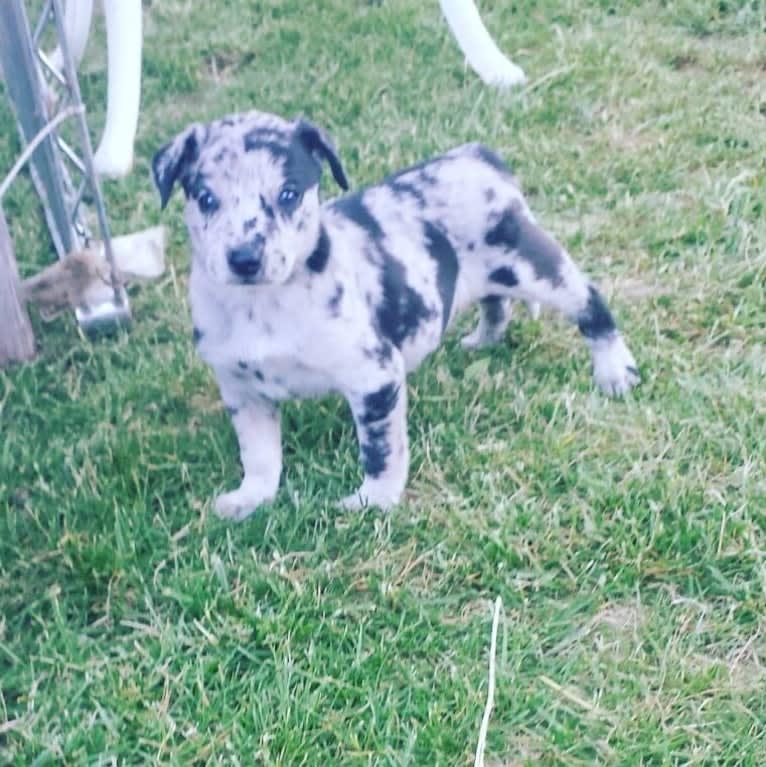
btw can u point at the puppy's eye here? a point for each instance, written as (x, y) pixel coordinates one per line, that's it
(208, 202)
(288, 197)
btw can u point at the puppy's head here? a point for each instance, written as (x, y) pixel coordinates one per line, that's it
(252, 193)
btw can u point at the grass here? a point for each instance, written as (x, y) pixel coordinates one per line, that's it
(625, 538)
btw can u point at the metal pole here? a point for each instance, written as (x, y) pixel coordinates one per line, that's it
(23, 66)
(23, 87)
(87, 151)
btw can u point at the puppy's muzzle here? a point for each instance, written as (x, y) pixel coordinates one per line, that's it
(246, 260)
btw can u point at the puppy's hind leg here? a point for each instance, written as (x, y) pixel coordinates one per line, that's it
(537, 269)
(494, 316)
(495, 313)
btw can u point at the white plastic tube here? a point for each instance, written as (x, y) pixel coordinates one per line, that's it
(114, 156)
(478, 46)
(77, 18)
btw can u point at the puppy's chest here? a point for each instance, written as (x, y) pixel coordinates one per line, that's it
(273, 351)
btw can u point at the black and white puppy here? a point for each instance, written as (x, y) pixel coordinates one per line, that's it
(292, 298)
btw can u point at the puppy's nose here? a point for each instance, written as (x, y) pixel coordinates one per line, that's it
(246, 260)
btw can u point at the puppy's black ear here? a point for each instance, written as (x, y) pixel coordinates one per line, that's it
(318, 143)
(172, 161)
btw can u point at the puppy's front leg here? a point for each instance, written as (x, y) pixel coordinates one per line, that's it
(260, 446)
(380, 415)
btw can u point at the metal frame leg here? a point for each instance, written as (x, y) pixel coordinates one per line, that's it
(23, 65)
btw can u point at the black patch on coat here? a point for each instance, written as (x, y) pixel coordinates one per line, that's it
(542, 252)
(402, 309)
(231, 410)
(300, 168)
(384, 352)
(258, 375)
(242, 364)
(193, 184)
(404, 190)
(197, 335)
(427, 178)
(353, 208)
(440, 249)
(267, 209)
(272, 140)
(255, 141)
(379, 404)
(423, 171)
(506, 232)
(375, 449)
(595, 321)
(489, 195)
(334, 303)
(514, 231)
(317, 261)
(490, 158)
(381, 353)
(504, 275)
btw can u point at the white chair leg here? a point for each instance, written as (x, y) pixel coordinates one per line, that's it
(478, 46)
(114, 156)
(77, 18)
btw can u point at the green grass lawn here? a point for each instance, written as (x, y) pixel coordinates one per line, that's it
(626, 538)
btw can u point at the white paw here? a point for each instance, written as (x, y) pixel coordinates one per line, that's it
(240, 504)
(367, 496)
(614, 368)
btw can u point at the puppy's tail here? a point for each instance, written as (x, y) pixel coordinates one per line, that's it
(478, 46)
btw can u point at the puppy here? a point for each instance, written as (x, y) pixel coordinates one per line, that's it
(292, 298)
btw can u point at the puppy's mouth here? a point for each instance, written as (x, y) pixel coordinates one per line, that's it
(246, 280)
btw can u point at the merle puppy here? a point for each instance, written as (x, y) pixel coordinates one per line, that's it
(293, 298)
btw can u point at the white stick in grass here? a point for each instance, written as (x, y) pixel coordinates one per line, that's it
(482, 744)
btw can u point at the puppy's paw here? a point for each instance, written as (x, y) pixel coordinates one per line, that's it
(476, 340)
(534, 308)
(241, 503)
(368, 496)
(614, 368)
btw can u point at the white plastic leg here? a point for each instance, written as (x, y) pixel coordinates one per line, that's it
(114, 156)
(77, 18)
(478, 46)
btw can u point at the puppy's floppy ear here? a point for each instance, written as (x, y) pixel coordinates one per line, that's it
(318, 143)
(172, 161)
